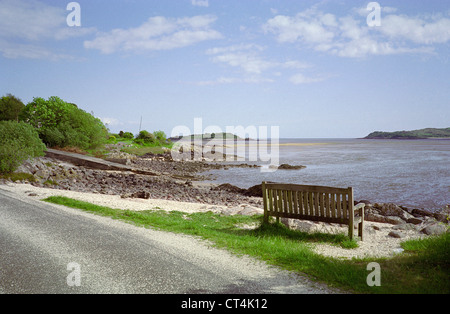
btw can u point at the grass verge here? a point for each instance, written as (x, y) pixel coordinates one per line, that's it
(423, 268)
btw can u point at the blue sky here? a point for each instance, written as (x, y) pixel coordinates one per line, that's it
(315, 69)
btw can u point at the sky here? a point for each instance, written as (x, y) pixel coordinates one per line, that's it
(314, 69)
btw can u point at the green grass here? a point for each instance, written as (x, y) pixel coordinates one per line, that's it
(18, 176)
(424, 268)
(142, 150)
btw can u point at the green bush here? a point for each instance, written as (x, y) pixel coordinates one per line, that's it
(10, 108)
(128, 135)
(61, 124)
(18, 142)
(157, 138)
(146, 137)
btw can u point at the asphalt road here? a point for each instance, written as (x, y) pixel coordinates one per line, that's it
(48, 249)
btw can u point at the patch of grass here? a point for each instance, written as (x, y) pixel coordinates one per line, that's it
(50, 183)
(142, 150)
(18, 176)
(424, 268)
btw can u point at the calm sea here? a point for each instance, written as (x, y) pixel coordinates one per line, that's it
(412, 173)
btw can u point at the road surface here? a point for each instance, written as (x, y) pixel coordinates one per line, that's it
(47, 249)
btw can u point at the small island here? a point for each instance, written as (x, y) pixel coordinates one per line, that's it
(415, 134)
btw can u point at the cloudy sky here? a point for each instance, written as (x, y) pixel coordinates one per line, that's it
(316, 69)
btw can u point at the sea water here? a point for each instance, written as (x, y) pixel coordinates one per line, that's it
(412, 173)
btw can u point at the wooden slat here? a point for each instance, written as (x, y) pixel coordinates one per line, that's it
(275, 200)
(295, 202)
(270, 192)
(302, 201)
(280, 200)
(321, 205)
(338, 205)
(286, 201)
(344, 206)
(316, 204)
(310, 204)
(290, 201)
(307, 188)
(332, 205)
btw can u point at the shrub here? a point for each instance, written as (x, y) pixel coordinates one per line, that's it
(128, 135)
(157, 138)
(19, 142)
(10, 108)
(63, 124)
(146, 137)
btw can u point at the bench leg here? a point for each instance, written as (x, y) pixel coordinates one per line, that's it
(351, 227)
(361, 224)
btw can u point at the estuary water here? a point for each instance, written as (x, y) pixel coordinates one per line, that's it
(412, 173)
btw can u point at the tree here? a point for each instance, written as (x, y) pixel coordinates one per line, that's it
(10, 107)
(63, 124)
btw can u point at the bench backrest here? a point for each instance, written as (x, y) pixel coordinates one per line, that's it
(316, 203)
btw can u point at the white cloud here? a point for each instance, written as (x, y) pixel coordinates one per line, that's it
(24, 25)
(200, 3)
(302, 79)
(350, 36)
(417, 30)
(157, 33)
(247, 57)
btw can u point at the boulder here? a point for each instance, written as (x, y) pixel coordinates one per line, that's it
(435, 229)
(255, 190)
(421, 212)
(414, 221)
(390, 209)
(442, 215)
(140, 194)
(395, 234)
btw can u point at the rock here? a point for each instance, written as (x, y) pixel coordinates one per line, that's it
(414, 221)
(406, 227)
(421, 212)
(140, 194)
(287, 167)
(394, 220)
(229, 188)
(435, 229)
(398, 250)
(395, 234)
(390, 209)
(370, 216)
(442, 215)
(255, 190)
(243, 209)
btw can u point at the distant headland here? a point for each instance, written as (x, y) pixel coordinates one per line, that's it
(415, 134)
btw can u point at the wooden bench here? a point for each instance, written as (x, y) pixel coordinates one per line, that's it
(315, 203)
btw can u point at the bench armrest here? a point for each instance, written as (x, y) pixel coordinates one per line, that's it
(360, 207)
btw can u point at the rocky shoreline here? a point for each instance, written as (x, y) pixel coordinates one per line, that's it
(182, 181)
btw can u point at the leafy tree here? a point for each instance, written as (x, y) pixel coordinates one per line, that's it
(19, 142)
(10, 107)
(157, 138)
(63, 124)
